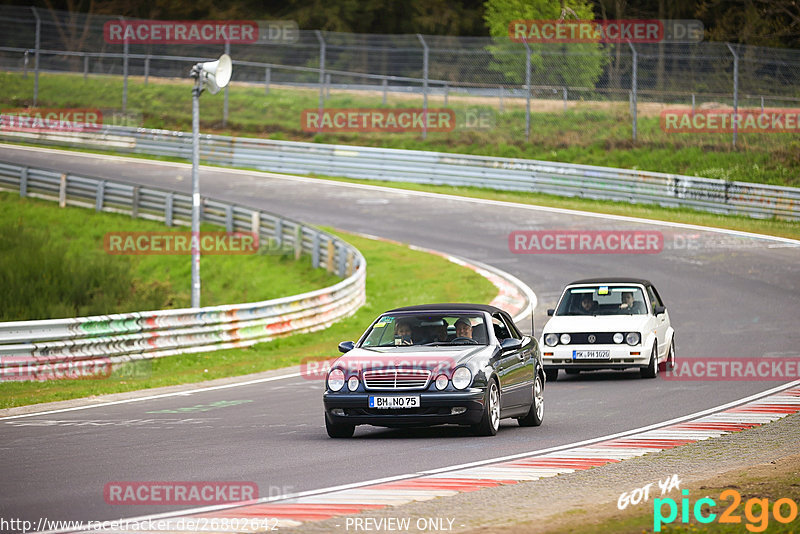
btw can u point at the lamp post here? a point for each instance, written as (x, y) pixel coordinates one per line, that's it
(212, 75)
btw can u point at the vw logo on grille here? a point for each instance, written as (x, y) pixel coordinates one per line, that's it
(592, 338)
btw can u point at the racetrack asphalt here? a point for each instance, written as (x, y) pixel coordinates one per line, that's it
(727, 296)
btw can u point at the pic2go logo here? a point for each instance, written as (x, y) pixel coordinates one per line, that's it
(756, 511)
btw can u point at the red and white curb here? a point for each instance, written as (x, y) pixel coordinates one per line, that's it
(292, 512)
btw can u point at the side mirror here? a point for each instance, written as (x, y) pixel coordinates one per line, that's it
(550, 312)
(510, 343)
(346, 346)
(658, 310)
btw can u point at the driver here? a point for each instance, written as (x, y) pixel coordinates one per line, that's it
(628, 303)
(587, 303)
(463, 328)
(402, 333)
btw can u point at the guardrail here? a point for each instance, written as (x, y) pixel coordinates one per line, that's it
(31, 350)
(511, 174)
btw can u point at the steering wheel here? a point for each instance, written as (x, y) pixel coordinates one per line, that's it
(471, 341)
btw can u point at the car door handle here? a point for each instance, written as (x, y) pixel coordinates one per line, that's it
(521, 357)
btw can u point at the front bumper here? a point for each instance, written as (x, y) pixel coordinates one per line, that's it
(561, 357)
(435, 408)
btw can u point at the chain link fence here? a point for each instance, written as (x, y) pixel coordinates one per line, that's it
(632, 82)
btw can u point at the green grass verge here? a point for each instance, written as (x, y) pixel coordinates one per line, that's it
(396, 276)
(596, 133)
(53, 265)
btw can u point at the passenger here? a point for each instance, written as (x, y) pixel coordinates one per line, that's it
(463, 328)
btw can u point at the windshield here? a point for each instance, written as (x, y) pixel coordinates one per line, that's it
(427, 329)
(602, 300)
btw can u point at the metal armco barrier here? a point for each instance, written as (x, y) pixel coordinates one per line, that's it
(511, 174)
(40, 349)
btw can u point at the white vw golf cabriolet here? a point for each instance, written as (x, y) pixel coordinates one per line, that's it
(608, 323)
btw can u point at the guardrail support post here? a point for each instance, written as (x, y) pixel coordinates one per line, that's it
(99, 196)
(279, 232)
(23, 182)
(298, 242)
(168, 209)
(37, 40)
(146, 69)
(62, 191)
(315, 251)
(692, 103)
(446, 94)
(85, 66)
(385, 89)
(340, 250)
(329, 259)
(25, 64)
(229, 218)
(255, 223)
(135, 202)
(424, 86)
(735, 91)
(267, 76)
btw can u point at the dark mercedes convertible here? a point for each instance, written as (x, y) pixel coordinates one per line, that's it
(463, 364)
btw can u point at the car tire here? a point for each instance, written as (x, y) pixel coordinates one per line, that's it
(651, 371)
(552, 374)
(338, 430)
(535, 416)
(490, 421)
(572, 371)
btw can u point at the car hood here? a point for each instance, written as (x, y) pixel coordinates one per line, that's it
(431, 358)
(600, 323)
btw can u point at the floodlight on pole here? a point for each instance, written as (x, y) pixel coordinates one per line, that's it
(211, 75)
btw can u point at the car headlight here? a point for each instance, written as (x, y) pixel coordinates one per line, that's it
(565, 339)
(633, 338)
(618, 338)
(441, 382)
(352, 383)
(462, 378)
(551, 340)
(336, 380)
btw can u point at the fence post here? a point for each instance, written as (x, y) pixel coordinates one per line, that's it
(146, 68)
(321, 40)
(527, 90)
(565, 98)
(267, 76)
(85, 66)
(227, 88)
(424, 86)
(500, 109)
(99, 197)
(38, 40)
(124, 70)
(446, 93)
(23, 182)
(634, 87)
(735, 92)
(25, 64)
(385, 88)
(327, 86)
(692, 103)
